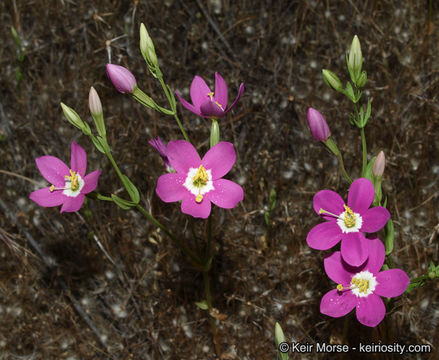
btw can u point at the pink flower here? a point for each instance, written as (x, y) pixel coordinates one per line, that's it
(347, 222)
(69, 185)
(318, 125)
(161, 148)
(122, 79)
(209, 104)
(198, 182)
(362, 287)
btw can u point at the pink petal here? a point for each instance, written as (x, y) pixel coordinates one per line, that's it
(72, 204)
(170, 187)
(337, 303)
(370, 310)
(191, 207)
(374, 219)
(360, 195)
(377, 254)
(44, 197)
(189, 106)
(210, 109)
(199, 91)
(354, 248)
(330, 201)
(182, 156)
(78, 159)
(226, 194)
(53, 169)
(240, 92)
(391, 283)
(324, 236)
(220, 90)
(91, 181)
(336, 270)
(219, 159)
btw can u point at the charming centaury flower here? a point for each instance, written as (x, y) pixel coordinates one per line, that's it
(198, 182)
(122, 79)
(209, 104)
(69, 185)
(362, 287)
(318, 125)
(161, 148)
(347, 222)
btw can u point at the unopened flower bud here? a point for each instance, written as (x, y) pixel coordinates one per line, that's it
(332, 80)
(355, 59)
(94, 102)
(318, 125)
(72, 116)
(147, 49)
(122, 79)
(379, 164)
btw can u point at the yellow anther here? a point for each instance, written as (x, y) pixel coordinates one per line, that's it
(199, 198)
(349, 217)
(200, 177)
(219, 105)
(52, 187)
(361, 284)
(211, 94)
(339, 287)
(74, 182)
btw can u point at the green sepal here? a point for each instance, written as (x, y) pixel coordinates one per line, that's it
(202, 305)
(100, 124)
(349, 92)
(214, 133)
(131, 189)
(368, 172)
(122, 203)
(279, 337)
(390, 236)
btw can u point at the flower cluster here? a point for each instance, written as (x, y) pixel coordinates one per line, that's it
(356, 267)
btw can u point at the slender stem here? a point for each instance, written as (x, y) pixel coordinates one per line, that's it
(168, 96)
(363, 142)
(185, 250)
(209, 302)
(343, 170)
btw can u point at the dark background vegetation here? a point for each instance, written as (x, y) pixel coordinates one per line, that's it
(142, 306)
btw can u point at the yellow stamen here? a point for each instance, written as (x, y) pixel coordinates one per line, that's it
(201, 177)
(52, 187)
(199, 198)
(349, 217)
(211, 95)
(74, 182)
(361, 284)
(340, 287)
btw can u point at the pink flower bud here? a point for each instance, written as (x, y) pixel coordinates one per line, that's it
(122, 79)
(94, 102)
(317, 124)
(379, 164)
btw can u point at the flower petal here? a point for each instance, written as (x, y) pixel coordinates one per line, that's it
(374, 219)
(191, 207)
(360, 195)
(53, 169)
(78, 159)
(182, 156)
(219, 159)
(72, 204)
(354, 248)
(44, 197)
(240, 92)
(220, 90)
(377, 254)
(337, 303)
(336, 270)
(226, 194)
(170, 187)
(391, 283)
(189, 106)
(330, 201)
(199, 91)
(210, 109)
(91, 181)
(324, 236)
(370, 310)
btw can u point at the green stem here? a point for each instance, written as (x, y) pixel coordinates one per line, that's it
(185, 250)
(174, 109)
(364, 146)
(209, 301)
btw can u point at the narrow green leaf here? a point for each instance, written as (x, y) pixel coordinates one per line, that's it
(368, 172)
(390, 236)
(202, 305)
(279, 338)
(131, 189)
(122, 203)
(97, 144)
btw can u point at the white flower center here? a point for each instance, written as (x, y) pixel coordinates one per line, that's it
(348, 221)
(73, 184)
(199, 182)
(363, 284)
